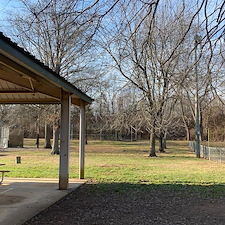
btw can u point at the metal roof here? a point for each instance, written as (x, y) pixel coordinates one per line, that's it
(24, 79)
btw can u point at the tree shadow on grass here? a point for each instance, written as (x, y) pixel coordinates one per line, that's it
(206, 190)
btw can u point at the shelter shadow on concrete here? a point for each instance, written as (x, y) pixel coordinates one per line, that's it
(21, 199)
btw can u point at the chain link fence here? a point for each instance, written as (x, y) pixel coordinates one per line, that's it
(210, 153)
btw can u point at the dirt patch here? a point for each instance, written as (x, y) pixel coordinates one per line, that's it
(134, 204)
(10, 199)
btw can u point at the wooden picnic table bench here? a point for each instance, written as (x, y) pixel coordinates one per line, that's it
(3, 173)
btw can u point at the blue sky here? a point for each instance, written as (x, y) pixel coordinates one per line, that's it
(8, 5)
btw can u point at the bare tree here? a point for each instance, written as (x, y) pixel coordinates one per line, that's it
(146, 53)
(59, 34)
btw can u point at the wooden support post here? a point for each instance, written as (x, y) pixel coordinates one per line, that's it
(64, 141)
(82, 140)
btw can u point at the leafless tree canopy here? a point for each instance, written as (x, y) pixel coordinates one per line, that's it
(139, 59)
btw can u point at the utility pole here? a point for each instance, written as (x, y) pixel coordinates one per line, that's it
(197, 40)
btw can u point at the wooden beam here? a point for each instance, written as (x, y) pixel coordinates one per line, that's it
(6, 74)
(14, 78)
(77, 101)
(82, 140)
(64, 141)
(11, 91)
(29, 101)
(25, 73)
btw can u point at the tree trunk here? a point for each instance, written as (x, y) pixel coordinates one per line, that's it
(38, 132)
(116, 135)
(47, 136)
(161, 146)
(55, 144)
(100, 135)
(152, 143)
(120, 138)
(131, 135)
(136, 135)
(164, 140)
(188, 134)
(86, 134)
(201, 127)
(37, 140)
(72, 130)
(164, 143)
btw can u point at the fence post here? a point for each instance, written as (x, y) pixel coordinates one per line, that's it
(209, 152)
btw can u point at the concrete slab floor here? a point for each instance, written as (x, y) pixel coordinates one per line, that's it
(23, 198)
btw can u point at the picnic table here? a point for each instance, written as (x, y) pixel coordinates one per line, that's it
(3, 173)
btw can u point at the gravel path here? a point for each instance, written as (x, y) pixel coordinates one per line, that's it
(122, 204)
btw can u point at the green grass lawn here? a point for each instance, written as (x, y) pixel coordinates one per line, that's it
(119, 162)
